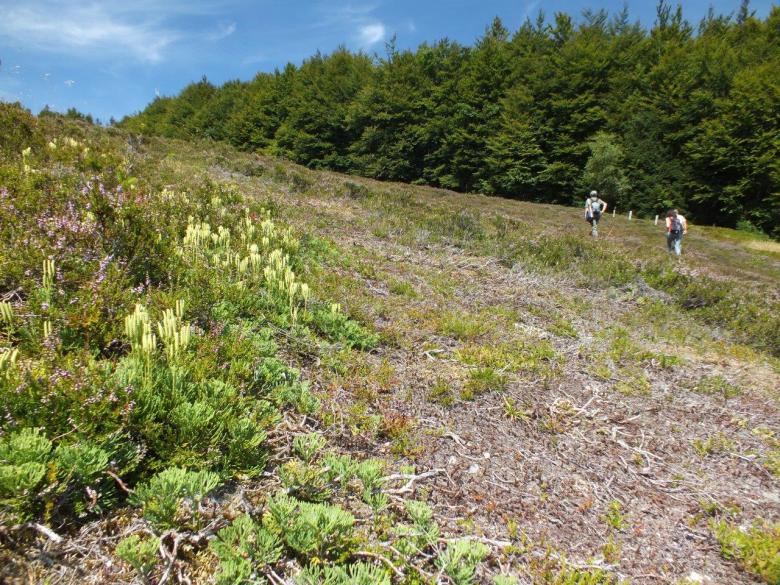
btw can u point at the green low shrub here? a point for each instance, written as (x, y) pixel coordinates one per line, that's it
(756, 548)
(354, 574)
(161, 498)
(141, 554)
(320, 531)
(460, 559)
(23, 465)
(244, 548)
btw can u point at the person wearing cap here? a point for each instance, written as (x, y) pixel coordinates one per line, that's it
(594, 207)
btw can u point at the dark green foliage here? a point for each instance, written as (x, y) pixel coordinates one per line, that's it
(657, 118)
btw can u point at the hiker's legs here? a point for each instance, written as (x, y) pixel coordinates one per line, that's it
(669, 242)
(678, 245)
(594, 227)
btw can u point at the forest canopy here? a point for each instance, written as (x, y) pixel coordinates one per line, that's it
(675, 115)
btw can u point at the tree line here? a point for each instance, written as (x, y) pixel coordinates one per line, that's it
(670, 116)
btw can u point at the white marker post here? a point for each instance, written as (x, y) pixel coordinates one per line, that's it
(656, 220)
(614, 209)
(630, 213)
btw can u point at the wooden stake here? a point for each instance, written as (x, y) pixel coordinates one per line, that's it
(656, 220)
(630, 213)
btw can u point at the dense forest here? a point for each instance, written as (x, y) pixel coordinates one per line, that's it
(677, 115)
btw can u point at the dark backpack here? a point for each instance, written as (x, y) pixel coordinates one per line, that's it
(675, 225)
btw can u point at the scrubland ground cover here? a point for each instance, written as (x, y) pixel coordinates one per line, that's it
(223, 368)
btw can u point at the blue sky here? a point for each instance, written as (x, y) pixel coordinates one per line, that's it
(110, 58)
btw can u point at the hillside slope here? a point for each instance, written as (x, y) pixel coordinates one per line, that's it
(585, 412)
(588, 412)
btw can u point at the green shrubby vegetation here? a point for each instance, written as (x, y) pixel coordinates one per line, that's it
(138, 348)
(145, 335)
(756, 548)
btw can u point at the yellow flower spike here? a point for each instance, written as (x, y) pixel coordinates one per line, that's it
(180, 308)
(184, 336)
(48, 274)
(46, 329)
(174, 334)
(8, 361)
(6, 312)
(148, 343)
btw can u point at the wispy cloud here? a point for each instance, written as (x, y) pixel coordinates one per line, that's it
(223, 31)
(106, 28)
(357, 20)
(370, 34)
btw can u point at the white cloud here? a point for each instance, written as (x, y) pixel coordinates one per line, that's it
(75, 28)
(372, 33)
(355, 20)
(69, 82)
(223, 31)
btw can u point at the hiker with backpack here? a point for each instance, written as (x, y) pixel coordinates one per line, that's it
(594, 207)
(676, 227)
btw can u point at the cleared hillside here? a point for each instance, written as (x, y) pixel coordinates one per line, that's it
(573, 411)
